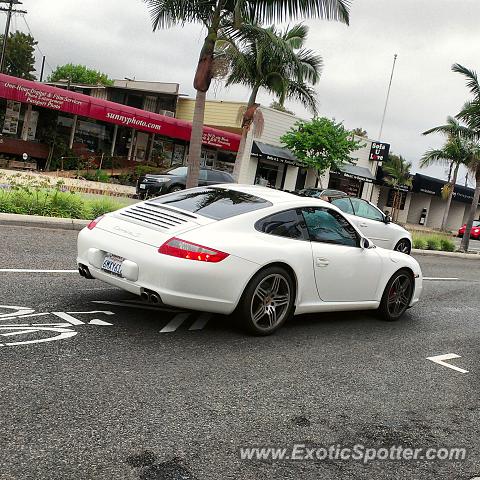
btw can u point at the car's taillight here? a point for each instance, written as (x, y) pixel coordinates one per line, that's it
(191, 251)
(94, 223)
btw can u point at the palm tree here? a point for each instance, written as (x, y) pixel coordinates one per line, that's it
(219, 16)
(398, 171)
(274, 61)
(454, 153)
(470, 113)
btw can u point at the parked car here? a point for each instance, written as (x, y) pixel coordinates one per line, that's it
(175, 179)
(474, 232)
(372, 222)
(261, 253)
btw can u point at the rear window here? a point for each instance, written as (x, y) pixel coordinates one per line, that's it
(476, 223)
(216, 203)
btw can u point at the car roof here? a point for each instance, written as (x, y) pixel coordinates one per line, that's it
(271, 195)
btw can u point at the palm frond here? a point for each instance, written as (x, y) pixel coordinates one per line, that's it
(471, 77)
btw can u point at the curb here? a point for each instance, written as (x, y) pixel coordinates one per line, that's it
(435, 253)
(42, 222)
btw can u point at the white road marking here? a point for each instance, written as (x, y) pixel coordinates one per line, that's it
(19, 311)
(19, 332)
(33, 315)
(441, 360)
(68, 318)
(106, 312)
(64, 333)
(26, 270)
(442, 279)
(175, 323)
(202, 320)
(96, 321)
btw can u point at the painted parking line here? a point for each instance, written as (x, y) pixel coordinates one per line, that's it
(175, 323)
(27, 270)
(201, 322)
(442, 360)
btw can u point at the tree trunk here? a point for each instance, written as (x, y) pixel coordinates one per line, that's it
(248, 118)
(473, 211)
(195, 151)
(449, 199)
(201, 83)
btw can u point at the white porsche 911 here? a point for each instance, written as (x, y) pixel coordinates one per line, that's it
(260, 253)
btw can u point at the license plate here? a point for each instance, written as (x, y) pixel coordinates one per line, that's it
(113, 264)
(142, 186)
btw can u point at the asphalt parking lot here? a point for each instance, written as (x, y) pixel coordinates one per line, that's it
(97, 385)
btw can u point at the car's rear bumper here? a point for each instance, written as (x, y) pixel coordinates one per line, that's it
(211, 287)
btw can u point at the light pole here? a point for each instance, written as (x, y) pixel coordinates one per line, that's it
(388, 97)
(383, 117)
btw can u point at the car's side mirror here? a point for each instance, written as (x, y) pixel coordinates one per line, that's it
(365, 243)
(387, 219)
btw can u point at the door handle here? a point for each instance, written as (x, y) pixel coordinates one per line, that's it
(363, 224)
(322, 262)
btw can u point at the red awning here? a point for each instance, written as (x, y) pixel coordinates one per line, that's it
(25, 91)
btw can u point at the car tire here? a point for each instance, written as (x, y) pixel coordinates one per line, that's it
(397, 296)
(267, 302)
(175, 188)
(403, 246)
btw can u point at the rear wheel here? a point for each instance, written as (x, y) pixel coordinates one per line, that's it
(403, 246)
(397, 296)
(267, 302)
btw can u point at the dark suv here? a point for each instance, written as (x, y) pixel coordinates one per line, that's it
(175, 179)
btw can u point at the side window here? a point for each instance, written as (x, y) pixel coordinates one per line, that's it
(289, 224)
(328, 226)
(343, 204)
(202, 175)
(365, 210)
(227, 178)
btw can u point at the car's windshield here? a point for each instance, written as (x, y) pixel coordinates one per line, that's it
(476, 223)
(178, 171)
(216, 203)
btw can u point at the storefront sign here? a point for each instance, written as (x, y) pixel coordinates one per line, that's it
(12, 116)
(433, 186)
(46, 96)
(379, 152)
(356, 177)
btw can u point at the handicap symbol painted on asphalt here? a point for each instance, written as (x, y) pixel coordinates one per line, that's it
(25, 327)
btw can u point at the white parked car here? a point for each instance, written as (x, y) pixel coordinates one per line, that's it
(263, 254)
(371, 221)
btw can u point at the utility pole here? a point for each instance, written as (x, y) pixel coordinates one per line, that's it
(9, 11)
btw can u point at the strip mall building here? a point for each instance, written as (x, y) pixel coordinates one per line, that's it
(150, 121)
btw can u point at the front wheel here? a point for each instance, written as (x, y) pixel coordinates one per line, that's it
(403, 246)
(397, 296)
(267, 302)
(175, 188)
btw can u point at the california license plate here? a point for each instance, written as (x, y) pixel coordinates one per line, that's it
(143, 186)
(113, 264)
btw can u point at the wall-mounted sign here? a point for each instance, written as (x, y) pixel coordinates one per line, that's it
(379, 152)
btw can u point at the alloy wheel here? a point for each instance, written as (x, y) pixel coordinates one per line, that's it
(399, 295)
(270, 302)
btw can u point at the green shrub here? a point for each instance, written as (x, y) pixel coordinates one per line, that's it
(433, 243)
(419, 243)
(447, 245)
(54, 202)
(97, 176)
(96, 208)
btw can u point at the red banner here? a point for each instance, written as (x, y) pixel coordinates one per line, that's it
(54, 98)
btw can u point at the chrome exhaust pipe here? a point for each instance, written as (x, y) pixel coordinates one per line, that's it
(145, 296)
(85, 272)
(81, 271)
(154, 298)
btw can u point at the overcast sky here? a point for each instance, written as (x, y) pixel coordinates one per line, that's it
(115, 36)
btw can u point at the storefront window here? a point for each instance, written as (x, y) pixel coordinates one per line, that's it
(391, 195)
(267, 174)
(350, 186)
